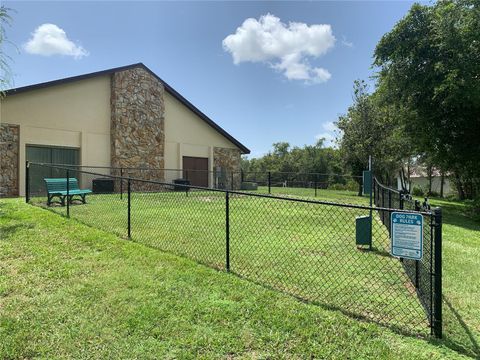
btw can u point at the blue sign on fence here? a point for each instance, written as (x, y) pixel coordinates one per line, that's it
(407, 235)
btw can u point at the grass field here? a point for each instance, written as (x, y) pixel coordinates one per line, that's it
(71, 291)
(265, 245)
(348, 197)
(307, 250)
(461, 277)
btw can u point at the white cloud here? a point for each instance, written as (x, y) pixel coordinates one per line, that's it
(346, 42)
(286, 48)
(328, 134)
(329, 139)
(49, 39)
(329, 126)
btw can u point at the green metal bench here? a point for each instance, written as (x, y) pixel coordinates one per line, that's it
(57, 187)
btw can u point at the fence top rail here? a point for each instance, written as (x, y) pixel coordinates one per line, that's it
(386, 187)
(235, 192)
(191, 170)
(307, 173)
(304, 173)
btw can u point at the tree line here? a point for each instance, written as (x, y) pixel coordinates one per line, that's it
(425, 106)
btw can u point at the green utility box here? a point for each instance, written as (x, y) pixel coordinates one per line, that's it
(363, 230)
(367, 182)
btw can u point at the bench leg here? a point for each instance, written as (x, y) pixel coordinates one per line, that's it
(84, 200)
(49, 200)
(62, 199)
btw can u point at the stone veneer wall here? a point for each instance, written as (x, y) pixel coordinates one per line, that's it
(137, 123)
(9, 147)
(228, 159)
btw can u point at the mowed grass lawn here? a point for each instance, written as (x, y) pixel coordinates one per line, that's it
(461, 277)
(341, 196)
(71, 291)
(307, 250)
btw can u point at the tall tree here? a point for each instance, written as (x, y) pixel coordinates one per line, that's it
(430, 64)
(5, 71)
(371, 129)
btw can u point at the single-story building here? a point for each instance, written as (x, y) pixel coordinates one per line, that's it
(436, 183)
(122, 117)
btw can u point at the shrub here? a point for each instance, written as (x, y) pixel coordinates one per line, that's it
(351, 185)
(337, 187)
(417, 191)
(473, 208)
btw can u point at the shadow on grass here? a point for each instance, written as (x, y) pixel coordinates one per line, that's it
(402, 330)
(455, 213)
(376, 251)
(457, 334)
(9, 230)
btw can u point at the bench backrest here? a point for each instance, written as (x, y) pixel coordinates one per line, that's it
(60, 184)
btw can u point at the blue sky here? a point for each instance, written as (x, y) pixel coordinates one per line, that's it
(289, 83)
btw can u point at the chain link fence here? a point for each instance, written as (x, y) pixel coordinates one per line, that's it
(424, 274)
(303, 247)
(270, 182)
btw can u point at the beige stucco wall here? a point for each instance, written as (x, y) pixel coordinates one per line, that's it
(73, 115)
(78, 115)
(422, 182)
(188, 135)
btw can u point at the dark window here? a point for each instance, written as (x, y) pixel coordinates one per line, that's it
(49, 155)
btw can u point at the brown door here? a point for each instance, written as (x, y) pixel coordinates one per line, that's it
(195, 169)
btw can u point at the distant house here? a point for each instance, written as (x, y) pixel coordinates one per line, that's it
(121, 117)
(419, 179)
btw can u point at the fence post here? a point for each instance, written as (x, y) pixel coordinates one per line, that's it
(437, 306)
(121, 183)
(269, 182)
(370, 211)
(227, 231)
(417, 205)
(361, 186)
(129, 206)
(27, 181)
(417, 274)
(68, 193)
(316, 180)
(383, 205)
(374, 190)
(389, 214)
